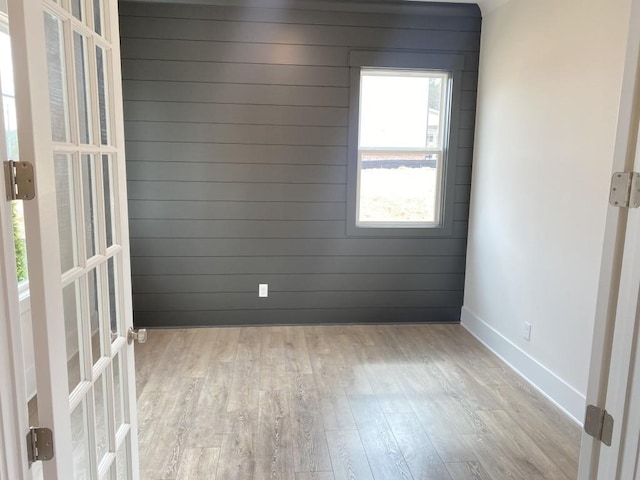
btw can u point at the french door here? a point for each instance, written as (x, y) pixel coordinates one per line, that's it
(614, 378)
(70, 126)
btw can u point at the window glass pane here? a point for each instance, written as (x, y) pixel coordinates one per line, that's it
(90, 205)
(66, 211)
(101, 63)
(97, 16)
(114, 314)
(122, 460)
(56, 73)
(118, 390)
(73, 334)
(95, 320)
(19, 240)
(109, 199)
(11, 139)
(101, 417)
(393, 109)
(434, 130)
(80, 442)
(398, 187)
(77, 9)
(82, 86)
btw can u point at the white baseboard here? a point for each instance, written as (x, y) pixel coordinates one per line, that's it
(548, 383)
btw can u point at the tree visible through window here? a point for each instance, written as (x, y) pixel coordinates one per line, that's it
(403, 119)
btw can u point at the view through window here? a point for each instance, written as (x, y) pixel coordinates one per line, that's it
(403, 120)
(11, 136)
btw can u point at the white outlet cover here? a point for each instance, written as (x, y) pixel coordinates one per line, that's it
(263, 290)
(526, 331)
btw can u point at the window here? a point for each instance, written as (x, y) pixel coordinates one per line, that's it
(403, 119)
(404, 112)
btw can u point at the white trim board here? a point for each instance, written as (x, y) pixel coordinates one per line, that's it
(559, 392)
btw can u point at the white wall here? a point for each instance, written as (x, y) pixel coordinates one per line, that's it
(550, 81)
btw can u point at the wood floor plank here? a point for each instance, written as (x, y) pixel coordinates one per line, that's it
(161, 447)
(384, 455)
(467, 471)
(314, 476)
(237, 453)
(274, 445)
(342, 402)
(198, 463)
(310, 453)
(418, 451)
(348, 456)
(515, 440)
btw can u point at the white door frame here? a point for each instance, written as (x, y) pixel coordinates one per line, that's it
(615, 335)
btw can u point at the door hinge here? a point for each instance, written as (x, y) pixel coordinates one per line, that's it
(39, 444)
(599, 424)
(625, 190)
(18, 179)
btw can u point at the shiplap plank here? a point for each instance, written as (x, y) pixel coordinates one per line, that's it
(189, 50)
(216, 172)
(242, 134)
(236, 114)
(236, 154)
(199, 210)
(431, 17)
(235, 228)
(298, 317)
(297, 283)
(167, 247)
(297, 265)
(267, 192)
(183, 71)
(184, 302)
(327, 35)
(236, 92)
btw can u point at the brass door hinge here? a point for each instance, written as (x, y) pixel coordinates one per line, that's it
(39, 444)
(19, 181)
(625, 190)
(599, 424)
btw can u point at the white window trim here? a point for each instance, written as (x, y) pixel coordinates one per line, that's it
(449, 63)
(440, 151)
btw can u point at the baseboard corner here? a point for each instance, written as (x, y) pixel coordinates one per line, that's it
(559, 392)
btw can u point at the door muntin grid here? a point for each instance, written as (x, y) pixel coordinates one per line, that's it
(79, 58)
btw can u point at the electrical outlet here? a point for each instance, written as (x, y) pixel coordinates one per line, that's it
(526, 331)
(263, 290)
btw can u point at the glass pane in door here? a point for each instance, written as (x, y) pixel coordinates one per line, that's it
(95, 315)
(102, 71)
(118, 391)
(77, 8)
(89, 189)
(101, 409)
(65, 188)
(97, 16)
(113, 299)
(58, 103)
(109, 198)
(80, 442)
(73, 330)
(122, 460)
(83, 91)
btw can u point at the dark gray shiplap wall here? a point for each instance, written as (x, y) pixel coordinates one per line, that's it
(236, 128)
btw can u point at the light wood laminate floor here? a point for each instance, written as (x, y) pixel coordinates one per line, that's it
(381, 402)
